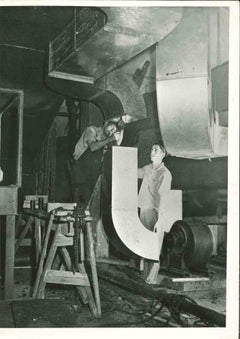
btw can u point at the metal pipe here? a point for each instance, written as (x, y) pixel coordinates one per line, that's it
(185, 306)
(20, 138)
(8, 103)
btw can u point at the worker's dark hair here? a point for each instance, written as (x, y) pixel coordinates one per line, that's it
(160, 144)
(110, 122)
(119, 124)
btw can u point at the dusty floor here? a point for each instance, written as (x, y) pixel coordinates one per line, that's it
(120, 307)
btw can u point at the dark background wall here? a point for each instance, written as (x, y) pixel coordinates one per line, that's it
(200, 180)
(26, 67)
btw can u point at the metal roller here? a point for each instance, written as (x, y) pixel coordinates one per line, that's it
(193, 242)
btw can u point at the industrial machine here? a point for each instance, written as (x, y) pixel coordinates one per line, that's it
(187, 247)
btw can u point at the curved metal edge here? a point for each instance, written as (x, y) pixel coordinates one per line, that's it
(135, 236)
(130, 230)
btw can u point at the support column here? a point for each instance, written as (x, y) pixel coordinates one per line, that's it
(10, 253)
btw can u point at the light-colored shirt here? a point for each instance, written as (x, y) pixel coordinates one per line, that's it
(155, 186)
(90, 134)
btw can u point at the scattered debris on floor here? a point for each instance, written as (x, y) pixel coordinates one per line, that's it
(126, 301)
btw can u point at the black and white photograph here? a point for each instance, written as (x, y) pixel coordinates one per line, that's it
(119, 168)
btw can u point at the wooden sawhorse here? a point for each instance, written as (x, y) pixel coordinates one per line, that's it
(71, 276)
(34, 223)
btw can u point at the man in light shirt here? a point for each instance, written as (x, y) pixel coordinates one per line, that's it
(155, 187)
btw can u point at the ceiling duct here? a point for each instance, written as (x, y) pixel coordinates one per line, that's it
(188, 119)
(99, 40)
(89, 61)
(86, 59)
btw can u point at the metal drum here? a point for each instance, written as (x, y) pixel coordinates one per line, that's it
(193, 242)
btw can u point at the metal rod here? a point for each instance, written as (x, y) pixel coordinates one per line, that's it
(20, 138)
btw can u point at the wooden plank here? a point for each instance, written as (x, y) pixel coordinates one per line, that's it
(39, 291)
(186, 284)
(66, 278)
(43, 255)
(10, 253)
(8, 200)
(67, 206)
(38, 240)
(23, 234)
(190, 279)
(26, 242)
(101, 242)
(62, 240)
(18, 223)
(81, 291)
(91, 301)
(93, 267)
(36, 197)
(54, 162)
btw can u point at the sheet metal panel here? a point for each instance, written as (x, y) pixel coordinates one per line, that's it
(171, 211)
(184, 116)
(124, 205)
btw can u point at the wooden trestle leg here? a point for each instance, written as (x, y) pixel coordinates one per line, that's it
(79, 278)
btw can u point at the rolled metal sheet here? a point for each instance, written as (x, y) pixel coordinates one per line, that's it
(187, 127)
(124, 205)
(184, 116)
(187, 116)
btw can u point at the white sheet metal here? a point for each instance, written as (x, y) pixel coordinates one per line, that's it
(187, 125)
(171, 211)
(124, 205)
(184, 117)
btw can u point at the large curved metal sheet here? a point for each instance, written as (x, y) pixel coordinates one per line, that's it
(184, 116)
(129, 95)
(124, 205)
(188, 125)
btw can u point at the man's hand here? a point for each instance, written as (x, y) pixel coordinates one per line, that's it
(116, 136)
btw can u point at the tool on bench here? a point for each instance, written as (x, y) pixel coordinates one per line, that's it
(78, 215)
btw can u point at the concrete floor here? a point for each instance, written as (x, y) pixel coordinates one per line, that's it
(120, 308)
